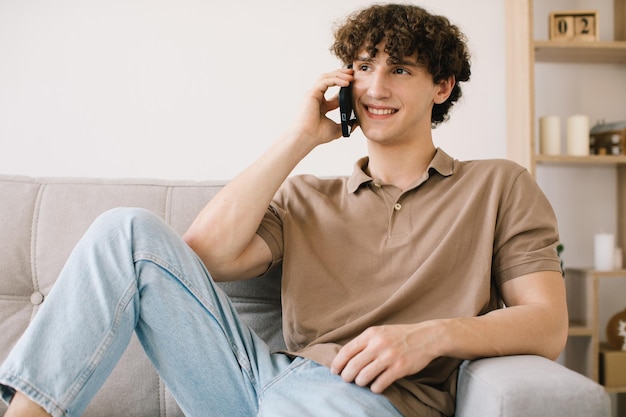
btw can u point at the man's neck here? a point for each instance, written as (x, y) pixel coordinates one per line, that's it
(399, 166)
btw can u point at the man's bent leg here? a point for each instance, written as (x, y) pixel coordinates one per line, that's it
(132, 271)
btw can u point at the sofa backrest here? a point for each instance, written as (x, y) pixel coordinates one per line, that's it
(41, 219)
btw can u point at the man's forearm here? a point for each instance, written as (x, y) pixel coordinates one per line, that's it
(225, 227)
(535, 322)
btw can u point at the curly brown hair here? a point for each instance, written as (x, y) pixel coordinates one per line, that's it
(405, 30)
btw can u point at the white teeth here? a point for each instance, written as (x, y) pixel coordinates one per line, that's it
(380, 111)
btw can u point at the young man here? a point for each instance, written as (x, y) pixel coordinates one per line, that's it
(391, 276)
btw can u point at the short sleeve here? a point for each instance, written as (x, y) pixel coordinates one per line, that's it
(526, 233)
(271, 230)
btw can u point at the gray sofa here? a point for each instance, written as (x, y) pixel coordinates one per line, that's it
(42, 218)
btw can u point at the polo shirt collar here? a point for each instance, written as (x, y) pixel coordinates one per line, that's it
(441, 163)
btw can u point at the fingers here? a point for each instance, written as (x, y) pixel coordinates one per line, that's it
(344, 356)
(338, 78)
(380, 356)
(366, 360)
(341, 77)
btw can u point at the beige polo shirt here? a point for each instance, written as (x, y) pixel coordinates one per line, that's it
(358, 253)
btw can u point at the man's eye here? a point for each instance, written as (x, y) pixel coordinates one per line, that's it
(401, 71)
(364, 67)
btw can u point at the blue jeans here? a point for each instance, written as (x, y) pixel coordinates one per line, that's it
(132, 273)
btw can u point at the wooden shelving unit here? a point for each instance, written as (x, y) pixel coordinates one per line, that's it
(583, 349)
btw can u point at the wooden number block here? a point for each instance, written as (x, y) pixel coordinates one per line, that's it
(574, 25)
(585, 27)
(563, 28)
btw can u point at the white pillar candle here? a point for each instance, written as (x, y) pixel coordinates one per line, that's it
(550, 135)
(578, 135)
(604, 252)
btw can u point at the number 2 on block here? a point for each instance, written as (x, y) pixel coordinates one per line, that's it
(584, 26)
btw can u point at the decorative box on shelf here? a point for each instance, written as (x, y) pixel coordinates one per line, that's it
(612, 367)
(608, 139)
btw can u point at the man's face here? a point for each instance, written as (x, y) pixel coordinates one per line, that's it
(393, 100)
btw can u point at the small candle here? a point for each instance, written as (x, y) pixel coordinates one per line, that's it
(604, 252)
(578, 135)
(550, 135)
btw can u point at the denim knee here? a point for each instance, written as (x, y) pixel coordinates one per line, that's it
(118, 216)
(128, 221)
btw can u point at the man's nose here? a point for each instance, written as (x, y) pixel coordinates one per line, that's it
(379, 86)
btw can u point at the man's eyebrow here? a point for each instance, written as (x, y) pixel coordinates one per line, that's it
(403, 62)
(391, 61)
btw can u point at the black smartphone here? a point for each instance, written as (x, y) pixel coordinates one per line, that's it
(346, 111)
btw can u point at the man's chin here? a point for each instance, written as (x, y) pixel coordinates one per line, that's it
(377, 134)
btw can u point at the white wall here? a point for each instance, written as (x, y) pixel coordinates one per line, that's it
(192, 89)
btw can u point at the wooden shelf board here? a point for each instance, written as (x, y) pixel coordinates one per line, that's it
(616, 273)
(578, 328)
(581, 160)
(600, 52)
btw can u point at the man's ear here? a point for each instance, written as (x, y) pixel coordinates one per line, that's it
(445, 87)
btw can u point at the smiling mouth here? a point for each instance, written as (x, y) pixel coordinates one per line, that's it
(381, 112)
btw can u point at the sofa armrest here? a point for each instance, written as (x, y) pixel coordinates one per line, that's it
(516, 386)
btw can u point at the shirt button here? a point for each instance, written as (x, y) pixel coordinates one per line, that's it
(397, 207)
(377, 185)
(36, 298)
